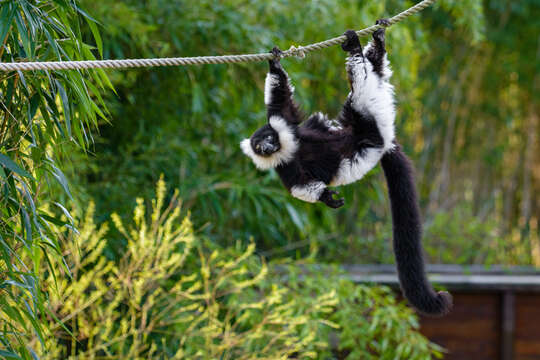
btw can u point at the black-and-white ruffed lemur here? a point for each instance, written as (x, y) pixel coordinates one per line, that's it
(312, 155)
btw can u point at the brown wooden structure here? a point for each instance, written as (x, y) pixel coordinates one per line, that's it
(496, 314)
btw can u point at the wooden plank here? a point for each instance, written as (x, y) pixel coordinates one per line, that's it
(454, 277)
(529, 283)
(448, 269)
(471, 330)
(507, 325)
(527, 333)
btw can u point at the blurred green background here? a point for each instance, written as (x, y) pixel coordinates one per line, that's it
(465, 76)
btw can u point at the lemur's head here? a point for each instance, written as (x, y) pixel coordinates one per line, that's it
(265, 141)
(271, 145)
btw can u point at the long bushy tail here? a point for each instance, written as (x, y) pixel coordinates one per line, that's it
(407, 229)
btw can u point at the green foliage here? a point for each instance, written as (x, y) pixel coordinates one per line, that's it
(459, 237)
(169, 297)
(467, 91)
(391, 331)
(40, 113)
(172, 296)
(189, 129)
(463, 137)
(367, 322)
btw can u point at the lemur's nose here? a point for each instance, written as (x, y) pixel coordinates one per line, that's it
(267, 148)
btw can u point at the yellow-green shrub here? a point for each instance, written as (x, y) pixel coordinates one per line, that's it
(169, 297)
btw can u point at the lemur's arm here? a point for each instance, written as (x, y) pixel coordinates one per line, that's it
(278, 97)
(354, 48)
(303, 186)
(278, 92)
(375, 51)
(369, 108)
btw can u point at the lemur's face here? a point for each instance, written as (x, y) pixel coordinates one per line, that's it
(265, 141)
(272, 145)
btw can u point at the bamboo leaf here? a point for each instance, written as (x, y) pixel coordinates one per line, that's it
(65, 105)
(97, 37)
(9, 164)
(60, 177)
(9, 355)
(25, 38)
(6, 16)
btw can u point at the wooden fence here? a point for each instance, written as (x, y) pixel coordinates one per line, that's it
(496, 312)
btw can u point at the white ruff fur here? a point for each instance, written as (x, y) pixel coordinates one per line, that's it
(351, 170)
(287, 140)
(271, 81)
(309, 192)
(374, 95)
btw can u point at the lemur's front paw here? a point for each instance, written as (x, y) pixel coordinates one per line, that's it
(379, 33)
(326, 197)
(384, 22)
(274, 62)
(335, 204)
(276, 52)
(352, 43)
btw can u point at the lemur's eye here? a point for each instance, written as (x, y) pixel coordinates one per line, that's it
(269, 137)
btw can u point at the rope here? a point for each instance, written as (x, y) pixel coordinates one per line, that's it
(299, 51)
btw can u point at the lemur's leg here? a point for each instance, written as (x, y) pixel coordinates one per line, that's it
(314, 191)
(376, 51)
(352, 43)
(368, 112)
(354, 48)
(303, 186)
(358, 108)
(278, 92)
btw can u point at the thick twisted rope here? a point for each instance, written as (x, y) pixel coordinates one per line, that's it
(299, 51)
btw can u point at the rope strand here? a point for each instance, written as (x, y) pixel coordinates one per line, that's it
(299, 51)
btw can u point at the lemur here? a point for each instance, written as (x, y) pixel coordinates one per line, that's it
(312, 155)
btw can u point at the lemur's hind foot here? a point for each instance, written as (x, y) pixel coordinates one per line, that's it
(377, 51)
(384, 22)
(378, 35)
(326, 197)
(352, 43)
(275, 61)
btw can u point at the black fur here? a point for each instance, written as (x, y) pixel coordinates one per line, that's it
(352, 43)
(376, 52)
(407, 229)
(319, 148)
(265, 141)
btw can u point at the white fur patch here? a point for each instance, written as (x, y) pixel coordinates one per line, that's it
(271, 81)
(374, 95)
(386, 70)
(309, 192)
(287, 140)
(368, 46)
(351, 170)
(331, 125)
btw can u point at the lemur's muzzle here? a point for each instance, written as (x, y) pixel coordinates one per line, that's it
(268, 148)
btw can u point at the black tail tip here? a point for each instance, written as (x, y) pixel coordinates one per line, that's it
(441, 306)
(446, 299)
